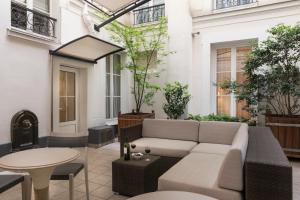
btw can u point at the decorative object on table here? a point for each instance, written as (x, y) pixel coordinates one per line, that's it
(272, 85)
(132, 146)
(137, 156)
(135, 177)
(147, 151)
(177, 97)
(126, 150)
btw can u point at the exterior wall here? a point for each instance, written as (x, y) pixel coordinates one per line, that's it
(26, 70)
(25, 78)
(229, 27)
(177, 66)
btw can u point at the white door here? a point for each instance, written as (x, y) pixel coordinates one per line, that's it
(66, 106)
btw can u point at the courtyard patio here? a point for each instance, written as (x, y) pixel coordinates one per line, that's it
(100, 179)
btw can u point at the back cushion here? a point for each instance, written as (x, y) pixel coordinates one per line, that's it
(171, 129)
(231, 173)
(218, 132)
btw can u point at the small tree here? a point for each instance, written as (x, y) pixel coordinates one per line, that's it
(177, 97)
(145, 46)
(273, 75)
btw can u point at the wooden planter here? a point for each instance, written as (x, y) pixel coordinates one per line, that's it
(133, 119)
(287, 131)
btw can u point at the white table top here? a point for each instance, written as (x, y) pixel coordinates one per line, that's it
(38, 158)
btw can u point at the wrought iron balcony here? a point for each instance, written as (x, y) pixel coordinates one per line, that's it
(149, 14)
(220, 4)
(31, 20)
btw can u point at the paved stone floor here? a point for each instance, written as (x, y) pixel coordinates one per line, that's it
(100, 179)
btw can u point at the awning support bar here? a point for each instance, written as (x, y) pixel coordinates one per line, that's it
(120, 13)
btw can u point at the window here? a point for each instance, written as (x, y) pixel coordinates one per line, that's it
(149, 12)
(231, 3)
(42, 5)
(113, 86)
(67, 96)
(36, 20)
(229, 66)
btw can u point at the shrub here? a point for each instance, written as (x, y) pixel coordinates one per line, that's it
(213, 117)
(177, 97)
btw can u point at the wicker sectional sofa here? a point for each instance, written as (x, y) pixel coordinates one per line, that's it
(206, 158)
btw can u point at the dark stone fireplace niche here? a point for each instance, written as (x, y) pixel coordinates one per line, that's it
(24, 130)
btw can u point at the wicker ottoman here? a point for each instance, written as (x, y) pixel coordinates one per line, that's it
(135, 177)
(171, 195)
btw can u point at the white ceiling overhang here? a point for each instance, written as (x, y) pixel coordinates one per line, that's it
(115, 5)
(87, 48)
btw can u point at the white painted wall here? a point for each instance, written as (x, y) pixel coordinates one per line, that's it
(177, 66)
(26, 69)
(229, 27)
(25, 78)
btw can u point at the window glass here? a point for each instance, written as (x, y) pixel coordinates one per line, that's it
(113, 86)
(227, 65)
(42, 5)
(158, 2)
(241, 57)
(223, 74)
(67, 96)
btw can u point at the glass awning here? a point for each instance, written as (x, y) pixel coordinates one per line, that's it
(115, 8)
(86, 48)
(114, 5)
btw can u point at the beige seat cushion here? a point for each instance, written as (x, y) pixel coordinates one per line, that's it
(164, 147)
(171, 195)
(218, 132)
(222, 149)
(231, 174)
(171, 129)
(197, 173)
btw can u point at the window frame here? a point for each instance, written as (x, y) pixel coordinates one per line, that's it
(111, 91)
(30, 29)
(233, 46)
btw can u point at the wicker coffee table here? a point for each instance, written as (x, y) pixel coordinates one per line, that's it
(135, 177)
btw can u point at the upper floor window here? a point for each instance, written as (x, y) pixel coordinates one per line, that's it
(231, 3)
(149, 12)
(33, 16)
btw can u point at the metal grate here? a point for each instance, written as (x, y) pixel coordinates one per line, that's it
(149, 14)
(220, 4)
(27, 19)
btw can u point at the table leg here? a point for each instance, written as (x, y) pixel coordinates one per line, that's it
(40, 181)
(41, 194)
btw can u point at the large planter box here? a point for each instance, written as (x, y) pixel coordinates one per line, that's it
(133, 119)
(287, 131)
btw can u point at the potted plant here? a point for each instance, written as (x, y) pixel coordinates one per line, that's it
(273, 84)
(145, 47)
(177, 97)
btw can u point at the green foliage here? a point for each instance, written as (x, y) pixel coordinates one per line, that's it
(177, 98)
(144, 46)
(273, 74)
(213, 117)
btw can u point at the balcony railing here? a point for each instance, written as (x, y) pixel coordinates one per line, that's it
(220, 4)
(149, 14)
(30, 20)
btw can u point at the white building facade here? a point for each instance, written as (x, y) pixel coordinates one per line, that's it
(68, 96)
